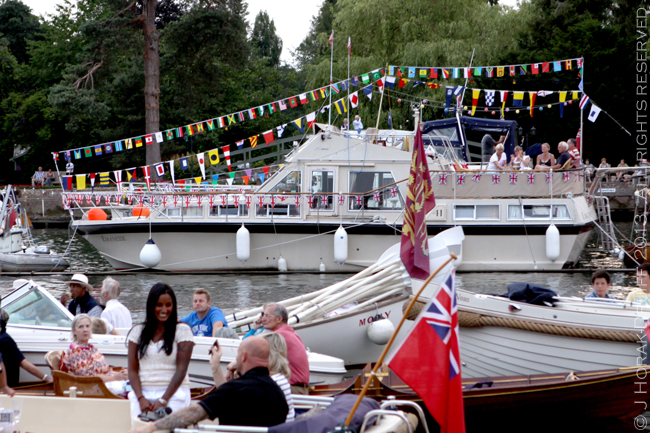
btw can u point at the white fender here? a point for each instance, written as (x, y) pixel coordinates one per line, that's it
(282, 264)
(552, 243)
(380, 331)
(150, 254)
(243, 244)
(340, 245)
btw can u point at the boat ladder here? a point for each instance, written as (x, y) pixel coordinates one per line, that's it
(606, 237)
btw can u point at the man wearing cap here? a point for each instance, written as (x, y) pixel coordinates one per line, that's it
(82, 300)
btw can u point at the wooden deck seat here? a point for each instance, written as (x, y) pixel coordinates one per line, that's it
(53, 359)
(87, 387)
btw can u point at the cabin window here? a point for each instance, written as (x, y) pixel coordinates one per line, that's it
(538, 212)
(322, 188)
(388, 198)
(36, 309)
(286, 209)
(290, 183)
(477, 212)
(235, 206)
(181, 212)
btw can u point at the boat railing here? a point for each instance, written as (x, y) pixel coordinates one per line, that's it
(600, 302)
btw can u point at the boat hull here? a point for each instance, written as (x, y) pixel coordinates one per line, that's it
(35, 343)
(501, 337)
(212, 246)
(32, 262)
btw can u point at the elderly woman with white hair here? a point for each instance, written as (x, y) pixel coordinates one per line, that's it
(498, 160)
(115, 312)
(83, 359)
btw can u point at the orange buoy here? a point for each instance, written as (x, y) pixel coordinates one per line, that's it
(97, 214)
(141, 211)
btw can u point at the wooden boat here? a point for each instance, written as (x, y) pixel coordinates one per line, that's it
(601, 394)
(39, 323)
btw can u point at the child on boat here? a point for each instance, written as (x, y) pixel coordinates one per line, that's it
(600, 280)
(642, 294)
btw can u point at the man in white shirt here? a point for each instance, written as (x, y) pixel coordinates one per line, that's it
(357, 124)
(115, 312)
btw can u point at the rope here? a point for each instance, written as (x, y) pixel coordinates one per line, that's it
(475, 320)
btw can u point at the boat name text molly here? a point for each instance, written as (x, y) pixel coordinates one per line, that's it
(369, 320)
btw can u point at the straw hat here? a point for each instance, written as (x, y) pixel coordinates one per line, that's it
(79, 279)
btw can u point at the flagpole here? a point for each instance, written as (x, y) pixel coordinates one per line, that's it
(582, 132)
(392, 339)
(348, 101)
(329, 119)
(381, 98)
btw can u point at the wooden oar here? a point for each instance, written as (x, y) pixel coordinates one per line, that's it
(392, 338)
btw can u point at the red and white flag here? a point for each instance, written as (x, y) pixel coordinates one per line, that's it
(349, 46)
(496, 179)
(513, 179)
(460, 180)
(147, 176)
(428, 359)
(331, 39)
(354, 99)
(226, 154)
(201, 158)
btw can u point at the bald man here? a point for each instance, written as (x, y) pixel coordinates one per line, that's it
(232, 401)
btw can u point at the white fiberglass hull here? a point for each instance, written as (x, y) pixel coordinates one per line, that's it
(205, 246)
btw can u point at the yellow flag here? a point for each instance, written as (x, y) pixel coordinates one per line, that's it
(213, 156)
(198, 180)
(253, 140)
(500, 71)
(575, 95)
(81, 181)
(562, 96)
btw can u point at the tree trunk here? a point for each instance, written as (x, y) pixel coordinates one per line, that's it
(151, 79)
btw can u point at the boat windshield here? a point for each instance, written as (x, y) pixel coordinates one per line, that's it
(34, 308)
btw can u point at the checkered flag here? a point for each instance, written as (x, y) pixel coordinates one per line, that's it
(489, 97)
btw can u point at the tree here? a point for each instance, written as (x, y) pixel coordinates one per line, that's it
(603, 31)
(18, 26)
(266, 43)
(315, 44)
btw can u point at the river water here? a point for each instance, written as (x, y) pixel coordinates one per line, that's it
(245, 290)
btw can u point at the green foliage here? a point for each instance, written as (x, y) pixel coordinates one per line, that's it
(603, 31)
(266, 43)
(315, 46)
(18, 26)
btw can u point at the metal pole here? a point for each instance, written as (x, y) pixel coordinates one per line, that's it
(582, 132)
(348, 101)
(329, 119)
(381, 98)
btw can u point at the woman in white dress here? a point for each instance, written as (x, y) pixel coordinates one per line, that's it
(159, 354)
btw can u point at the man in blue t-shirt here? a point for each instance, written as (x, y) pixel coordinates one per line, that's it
(206, 320)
